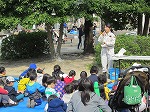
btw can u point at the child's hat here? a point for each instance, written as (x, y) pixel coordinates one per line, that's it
(10, 79)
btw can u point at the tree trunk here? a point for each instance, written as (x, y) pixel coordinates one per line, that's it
(88, 42)
(139, 30)
(102, 25)
(51, 44)
(146, 25)
(59, 41)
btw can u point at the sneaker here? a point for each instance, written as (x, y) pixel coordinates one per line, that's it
(32, 103)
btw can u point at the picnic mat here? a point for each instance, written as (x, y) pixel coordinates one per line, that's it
(22, 107)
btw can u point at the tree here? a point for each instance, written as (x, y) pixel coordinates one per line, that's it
(29, 12)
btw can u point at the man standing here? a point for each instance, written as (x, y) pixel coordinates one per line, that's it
(107, 39)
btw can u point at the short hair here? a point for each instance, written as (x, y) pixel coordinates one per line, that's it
(57, 68)
(51, 80)
(83, 74)
(102, 78)
(69, 88)
(75, 84)
(33, 75)
(2, 69)
(94, 69)
(72, 73)
(30, 72)
(51, 97)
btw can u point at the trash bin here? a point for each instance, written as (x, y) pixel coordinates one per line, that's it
(112, 74)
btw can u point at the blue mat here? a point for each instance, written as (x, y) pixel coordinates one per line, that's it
(22, 107)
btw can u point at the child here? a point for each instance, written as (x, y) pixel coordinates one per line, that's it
(55, 105)
(104, 91)
(24, 81)
(44, 79)
(59, 86)
(70, 77)
(40, 73)
(2, 76)
(34, 89)
(69, 89)
(57, 71)
(12, 93)
(83, 75)
(93, 77)
(32, 66)
(75, 84)
(51, 81)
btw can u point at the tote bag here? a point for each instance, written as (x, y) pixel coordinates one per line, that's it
(132, 92)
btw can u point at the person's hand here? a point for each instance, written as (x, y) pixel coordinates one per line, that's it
(103, 33)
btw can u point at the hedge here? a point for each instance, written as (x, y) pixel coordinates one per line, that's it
(134, 45)
(24, 45)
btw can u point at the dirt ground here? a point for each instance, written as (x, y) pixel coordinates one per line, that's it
(76, 61)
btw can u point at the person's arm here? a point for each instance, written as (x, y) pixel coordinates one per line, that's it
(3, 91)
(40, 88)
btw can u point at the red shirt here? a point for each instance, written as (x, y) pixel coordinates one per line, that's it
(3, 91)
(68, 79)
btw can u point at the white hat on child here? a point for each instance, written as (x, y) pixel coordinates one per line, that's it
(10, 79)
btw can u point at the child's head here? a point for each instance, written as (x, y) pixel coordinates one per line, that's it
(72, 73)
(94, 70)
(45, 77)
(51, 97)
(83, 75)
(39, 70)
(51, 81)
(57, 68)
(10, 80)
(33, 76)
(69, 88)
(29, 72)
(2, 70)
(75, 84)
(102, 78)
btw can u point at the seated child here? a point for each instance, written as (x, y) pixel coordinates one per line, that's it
(104, 91)
(12, 93)
(24, 81)
(57, 71)
(93, 71)
(70, 77)
(32, 66)
(51, 81)
(44, 79)
(55, 105)
(75, 84)
(83, 75)
(59, 86)
(40, 73)
(34, 89)
(69, 89)
(2, 76)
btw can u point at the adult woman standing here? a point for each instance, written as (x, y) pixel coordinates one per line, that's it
(85, 100)
(107, 40)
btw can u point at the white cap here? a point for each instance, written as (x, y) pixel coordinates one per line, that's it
(10, 79)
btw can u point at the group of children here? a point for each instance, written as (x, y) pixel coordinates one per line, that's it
(35, 84)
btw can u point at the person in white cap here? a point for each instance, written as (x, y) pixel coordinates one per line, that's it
(107, 39)
(12, 93)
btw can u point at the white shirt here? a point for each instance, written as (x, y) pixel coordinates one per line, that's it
(108, 39)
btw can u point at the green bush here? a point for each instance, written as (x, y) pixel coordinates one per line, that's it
(134, 45)
(24, 45)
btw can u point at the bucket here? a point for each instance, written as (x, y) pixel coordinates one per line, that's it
(112, 73)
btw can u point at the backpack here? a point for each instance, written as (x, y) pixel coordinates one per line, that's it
(116, 101)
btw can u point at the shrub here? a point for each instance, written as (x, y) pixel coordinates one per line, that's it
(134, 45)
(24, 45)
